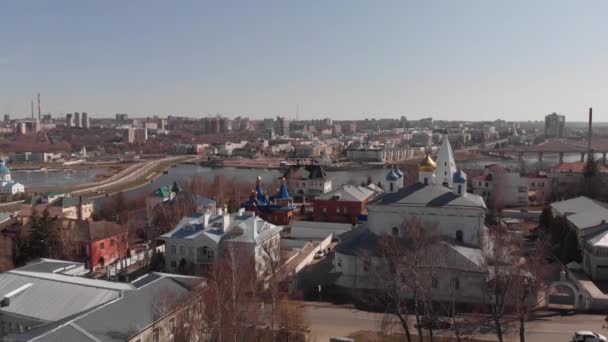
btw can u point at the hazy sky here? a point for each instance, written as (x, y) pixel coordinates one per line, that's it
(451, 59)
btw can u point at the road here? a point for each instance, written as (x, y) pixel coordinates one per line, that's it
(328, 320)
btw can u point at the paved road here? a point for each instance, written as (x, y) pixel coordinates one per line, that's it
(328, 320)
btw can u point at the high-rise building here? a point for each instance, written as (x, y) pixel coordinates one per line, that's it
(554, 125)
(69, 120)
(7, 117)
(77, 121)
(282, 126)
(122, 117)
(85, 120)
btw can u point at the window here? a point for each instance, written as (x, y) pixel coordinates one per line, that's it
(172, 250)
(112, 243)
(156, 335)
(456, 283)
(339, 262)
(459, 189)
(102, 245)
(366, 266)
(395, 231)
(434, 283)
(324, 210)
(173, 264)
(459, 236)
(172, 324)
(392, 186)
(486, 184)
(426, 180)
(345, 210)
(182, 250)
(338, 210)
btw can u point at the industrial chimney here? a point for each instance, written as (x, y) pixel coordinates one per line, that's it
(590, 133)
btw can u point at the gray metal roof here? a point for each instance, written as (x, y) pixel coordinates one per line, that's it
(575, 205)
(431, 195)
(52, 299)
(348, 193)
(51, 266)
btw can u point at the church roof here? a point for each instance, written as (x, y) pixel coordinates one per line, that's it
(399, 172)
(429, 195)
(3, 168)
(283, 194)
(459, 177)
(427, 164)
(392, 176)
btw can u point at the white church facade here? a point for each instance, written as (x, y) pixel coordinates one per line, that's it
(439, 200)
(7, 185)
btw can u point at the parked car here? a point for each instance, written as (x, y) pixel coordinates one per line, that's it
(588, 336)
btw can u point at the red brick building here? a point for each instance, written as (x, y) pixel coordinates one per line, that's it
(344, 205)
(99, 242)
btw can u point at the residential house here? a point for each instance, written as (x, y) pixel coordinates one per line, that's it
(347, 204)
(59, 205)
(500, 187)
(589, 219)
(308, 181)
(98, 243)
(199, 239)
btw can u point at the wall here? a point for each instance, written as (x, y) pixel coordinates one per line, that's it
(317, 230)
(446, 221)
(354, 209)
(322, 245)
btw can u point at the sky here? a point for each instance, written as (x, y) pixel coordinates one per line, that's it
(452, 59)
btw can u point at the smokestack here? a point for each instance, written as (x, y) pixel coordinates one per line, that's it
(39, 112)
(32, 109)
(590, 133)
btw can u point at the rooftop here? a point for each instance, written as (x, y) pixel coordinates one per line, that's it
(429, 195)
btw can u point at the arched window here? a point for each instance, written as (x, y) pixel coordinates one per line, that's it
(426, 181)
(391, 186)
(395, 231)
(459, 189)
(456, 283)
(459, 237)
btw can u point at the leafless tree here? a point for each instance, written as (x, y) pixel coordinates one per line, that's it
(271, 262)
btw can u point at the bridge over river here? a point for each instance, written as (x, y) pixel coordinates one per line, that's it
(561, 146)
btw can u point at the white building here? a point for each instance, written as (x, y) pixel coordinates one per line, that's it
(7, 185)
(227, 148)
(198, 240)
(452, 214)
(500, 187)
(308, 181)
(589, 219)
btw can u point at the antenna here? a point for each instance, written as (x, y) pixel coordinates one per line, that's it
(32, 103)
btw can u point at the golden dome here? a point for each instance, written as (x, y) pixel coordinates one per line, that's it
(427, 165)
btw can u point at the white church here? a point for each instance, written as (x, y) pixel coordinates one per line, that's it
(7, 185)
(440, 201)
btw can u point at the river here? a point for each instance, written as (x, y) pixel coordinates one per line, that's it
(184, 172)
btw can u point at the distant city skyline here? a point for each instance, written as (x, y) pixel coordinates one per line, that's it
(450, 60)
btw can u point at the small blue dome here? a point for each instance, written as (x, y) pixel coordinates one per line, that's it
(392, 176)
(399, 172)
(459, 177)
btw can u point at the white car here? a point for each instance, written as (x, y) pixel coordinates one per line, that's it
(588, 336)
(319, 254)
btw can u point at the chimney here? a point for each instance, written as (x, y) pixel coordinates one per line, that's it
(226, 222)
(206, 216)
(590, 133)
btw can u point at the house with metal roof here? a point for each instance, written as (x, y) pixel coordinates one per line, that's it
(307, 181)
(59, 205)
(347, 204)
(589, 219)
(199, 239)
(38, 305)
